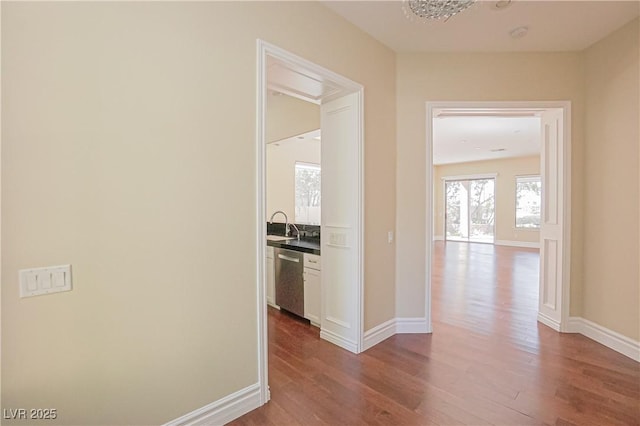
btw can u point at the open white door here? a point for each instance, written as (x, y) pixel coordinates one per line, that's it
(552, 217)
(340, 223)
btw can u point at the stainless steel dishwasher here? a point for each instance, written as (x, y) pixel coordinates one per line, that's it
(289, 266)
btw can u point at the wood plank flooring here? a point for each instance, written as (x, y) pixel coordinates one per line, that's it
(488, 361)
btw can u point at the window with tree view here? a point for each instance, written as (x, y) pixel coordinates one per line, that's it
(307, 193)
(470, 210)
(528, 201)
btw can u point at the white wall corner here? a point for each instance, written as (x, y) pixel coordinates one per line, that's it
(332, 337)
(548, 321)
(609, 338)
(524, 244)
(412, 325)
(574, 325)
(379, 333)
(223, 410)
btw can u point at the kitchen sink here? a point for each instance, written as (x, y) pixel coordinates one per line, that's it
(278, 238)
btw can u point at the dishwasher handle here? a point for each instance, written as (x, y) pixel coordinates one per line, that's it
(289, 258)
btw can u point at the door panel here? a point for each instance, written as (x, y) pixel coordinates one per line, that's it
(551, 244)
(340, 276)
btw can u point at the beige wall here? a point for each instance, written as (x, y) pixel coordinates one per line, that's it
(281, 165)
(473, 77)
(505, 189)
(128, 145)
(287, 116)
(611, 214)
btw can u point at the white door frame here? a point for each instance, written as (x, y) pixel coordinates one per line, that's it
(566, 200)
(264, 50)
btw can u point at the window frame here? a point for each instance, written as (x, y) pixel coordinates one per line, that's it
(526, 178)
(308, 165)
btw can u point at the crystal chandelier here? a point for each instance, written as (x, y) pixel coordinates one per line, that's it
(436, 9)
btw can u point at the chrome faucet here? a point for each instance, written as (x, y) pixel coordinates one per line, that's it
(287, 225)
(286, 221)
(297, 230)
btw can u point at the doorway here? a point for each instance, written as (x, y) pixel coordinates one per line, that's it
(555, 173)
(342, 184)
(470, 210)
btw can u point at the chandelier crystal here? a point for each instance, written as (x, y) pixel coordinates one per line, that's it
(437, 9)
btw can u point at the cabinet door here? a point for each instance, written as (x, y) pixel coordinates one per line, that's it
(271, 281)
(312, 295)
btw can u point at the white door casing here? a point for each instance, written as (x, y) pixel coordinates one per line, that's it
(551, 220)
(327, 87)
(555, 259)
(340, 229)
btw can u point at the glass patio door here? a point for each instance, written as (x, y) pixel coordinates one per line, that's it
(470, 210)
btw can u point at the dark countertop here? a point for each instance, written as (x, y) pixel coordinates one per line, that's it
(305, 245)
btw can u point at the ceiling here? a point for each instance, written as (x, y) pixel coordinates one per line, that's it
(552, 25)
(311, 137)
(460, 139)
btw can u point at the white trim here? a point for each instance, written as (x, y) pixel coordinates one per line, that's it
(392, 327)
(261, 234)
(470, 177)
(548, 321)
(223, 410)
(349, 345)
(566, 238)
(566, 107)
(360, 215)
(430, 202)
(574, 325)
(609, 338)
(413, 325)
(438, 238)
(525, 244)
(379, 333)
(265, 49)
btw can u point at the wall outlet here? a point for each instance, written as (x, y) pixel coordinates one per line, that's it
(38, 281)
(390, 237)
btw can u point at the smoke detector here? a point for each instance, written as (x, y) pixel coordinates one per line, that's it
(519, 32)
(501, 4)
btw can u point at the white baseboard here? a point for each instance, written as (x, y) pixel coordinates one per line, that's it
(379, 333)
(548, 321)
(272, 303)
(412, 325)
(339, 341)
(394, 326)
(223, 410)
(609, 338)
(524, 244)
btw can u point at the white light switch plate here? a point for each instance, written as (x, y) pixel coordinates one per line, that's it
(38, 281)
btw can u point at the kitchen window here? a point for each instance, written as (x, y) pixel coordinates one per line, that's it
(307, 193)
(528, 202)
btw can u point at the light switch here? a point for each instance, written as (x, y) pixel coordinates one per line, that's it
(32, 282)
(58, 278)
(38, 281)
(44, 279)
(338, 239)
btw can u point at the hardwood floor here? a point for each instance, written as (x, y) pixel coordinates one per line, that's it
(488, 361)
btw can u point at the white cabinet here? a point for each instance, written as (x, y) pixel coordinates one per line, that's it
(271, 278)
(312, 288)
